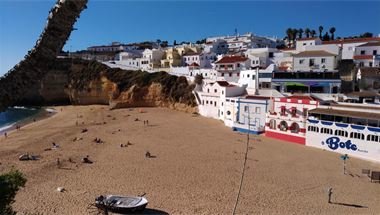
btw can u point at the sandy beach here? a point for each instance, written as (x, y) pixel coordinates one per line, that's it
(196, 168)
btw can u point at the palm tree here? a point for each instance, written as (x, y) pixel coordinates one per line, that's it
(307, 32)
(332, 31)
(320, 31)
(313, 33)
(289, 33)
(300, 32)
(294, 35)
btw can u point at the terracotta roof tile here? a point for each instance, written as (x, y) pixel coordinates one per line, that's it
(232, 59)
(313, 54)
(363, 57)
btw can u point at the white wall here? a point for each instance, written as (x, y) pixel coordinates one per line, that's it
(330, 63)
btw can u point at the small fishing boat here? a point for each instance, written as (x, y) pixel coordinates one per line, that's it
(121, 204)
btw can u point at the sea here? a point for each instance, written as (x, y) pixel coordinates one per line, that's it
(13, 115)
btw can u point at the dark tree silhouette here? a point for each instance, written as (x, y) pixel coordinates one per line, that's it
(320, 31)
(332, 31)
(307, 32)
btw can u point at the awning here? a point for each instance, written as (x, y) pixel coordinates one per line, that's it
(295, 84)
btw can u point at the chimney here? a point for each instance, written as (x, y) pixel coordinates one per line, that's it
(257, 81)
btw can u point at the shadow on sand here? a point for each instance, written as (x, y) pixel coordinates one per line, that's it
(349, 205)
(149, 211)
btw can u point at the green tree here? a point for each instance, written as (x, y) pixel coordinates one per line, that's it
(307, 32)
(164, 44)
(366, 34)
(313, 33)
(326, 37)
(294, 35)
(198, 79)
(175, 43)
(10, 183)
(332, 31)
(300, 32)
(289, 34)
(158, 41)
(320, 31)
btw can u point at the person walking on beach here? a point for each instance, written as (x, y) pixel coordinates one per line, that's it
(329, 194)
(5, 135)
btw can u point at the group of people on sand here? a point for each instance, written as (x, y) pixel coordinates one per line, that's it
(146, 122)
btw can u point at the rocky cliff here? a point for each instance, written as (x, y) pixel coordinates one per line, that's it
(42, 79)
(19, 80)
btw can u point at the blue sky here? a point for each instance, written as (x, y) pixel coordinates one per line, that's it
(21, 21)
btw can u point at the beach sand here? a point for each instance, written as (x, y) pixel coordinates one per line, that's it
(196, 169)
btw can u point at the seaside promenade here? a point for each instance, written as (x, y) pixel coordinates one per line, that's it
(195, 168)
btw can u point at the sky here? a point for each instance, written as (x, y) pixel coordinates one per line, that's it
(105, 21)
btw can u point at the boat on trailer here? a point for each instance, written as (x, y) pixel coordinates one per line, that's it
(121, 204)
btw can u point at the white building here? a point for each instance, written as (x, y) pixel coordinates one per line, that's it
(218, 47)
(346, 128)
(367, 55)
(201, 60)
(314, 61)
(261, 57)
(229, 67)
(302, 43)
(348, 45)
(212, 96)
(152, 58)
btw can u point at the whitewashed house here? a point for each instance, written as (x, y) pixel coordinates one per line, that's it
(367, 55)
(229, 67)
(314, 61)
(212, 95)
(348, 45)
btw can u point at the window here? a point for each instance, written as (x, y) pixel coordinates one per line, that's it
(258, 110)
(370, 64)
(341, 133)
(230, 74)
(215, 104)
(271, 54)
(373, 138)
(207, 102)
(311, 62)
(301, 61)
(294, 111)
(326, 131)
(208, 90)
(203, 102)
(283, 126)
(350, 48)
(272, 124)
(228, 112)
(222, 74)
(238, 74)
(361, 64)
(283, 109)
(246, 109)
(215, 90)
(374, 52)
(248, 76)
(304, 44)
(222, 104)
(362, 52)
(304, 112)
(294, 128)
(323, 60)
(222, 92)
(357, 135)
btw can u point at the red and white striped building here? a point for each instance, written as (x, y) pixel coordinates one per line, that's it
(287, 120)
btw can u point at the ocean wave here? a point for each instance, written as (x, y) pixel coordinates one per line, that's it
(23, 108)
(51, 110)
(6, 127)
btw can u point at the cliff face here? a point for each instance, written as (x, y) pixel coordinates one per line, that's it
(81, 82)
(42, 79)
(91, 82)
(28, 73)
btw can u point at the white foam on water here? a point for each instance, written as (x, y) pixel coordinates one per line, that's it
(6, 127)
(50, 110)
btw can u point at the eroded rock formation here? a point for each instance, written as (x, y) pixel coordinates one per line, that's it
(43, 79)
(19, 80)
